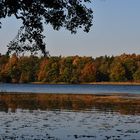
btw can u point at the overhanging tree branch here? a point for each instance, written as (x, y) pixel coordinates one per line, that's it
(69, 14)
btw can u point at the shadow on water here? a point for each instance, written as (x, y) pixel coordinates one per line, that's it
(103, 103)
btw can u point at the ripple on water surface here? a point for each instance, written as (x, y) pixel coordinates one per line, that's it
(68, 125)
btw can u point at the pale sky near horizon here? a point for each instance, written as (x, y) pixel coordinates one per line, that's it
(115, 31)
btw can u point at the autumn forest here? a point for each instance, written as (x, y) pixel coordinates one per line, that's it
(72, 69)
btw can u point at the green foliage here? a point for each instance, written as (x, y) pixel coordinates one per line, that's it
(66, 68)
(52, 70)
(136, 75)
(117, 72)
(103, 67)
(29, 67)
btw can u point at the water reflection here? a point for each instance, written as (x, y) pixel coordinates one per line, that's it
(104, 103)
(69, 117)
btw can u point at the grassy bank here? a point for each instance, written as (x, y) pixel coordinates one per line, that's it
(116, 83)
(94, 83)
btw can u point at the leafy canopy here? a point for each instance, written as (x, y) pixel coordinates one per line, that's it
(70, 14)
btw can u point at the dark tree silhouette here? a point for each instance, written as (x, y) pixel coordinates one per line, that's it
(70, 14)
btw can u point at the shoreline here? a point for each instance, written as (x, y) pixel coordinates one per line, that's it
(90, 83)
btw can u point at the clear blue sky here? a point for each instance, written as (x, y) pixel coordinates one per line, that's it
(116, 30)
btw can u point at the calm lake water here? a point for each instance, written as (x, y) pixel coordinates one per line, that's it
(82, 89)
(37, 117)
(61, 117)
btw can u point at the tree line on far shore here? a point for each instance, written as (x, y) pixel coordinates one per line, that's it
(71, 69)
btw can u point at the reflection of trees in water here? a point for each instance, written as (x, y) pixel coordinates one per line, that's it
(69, 102)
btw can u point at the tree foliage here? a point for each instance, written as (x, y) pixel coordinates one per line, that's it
(70, 14)
(73, 69)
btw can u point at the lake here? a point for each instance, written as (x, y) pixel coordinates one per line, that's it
(60, 88)
(68, 117)
(80, 115)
